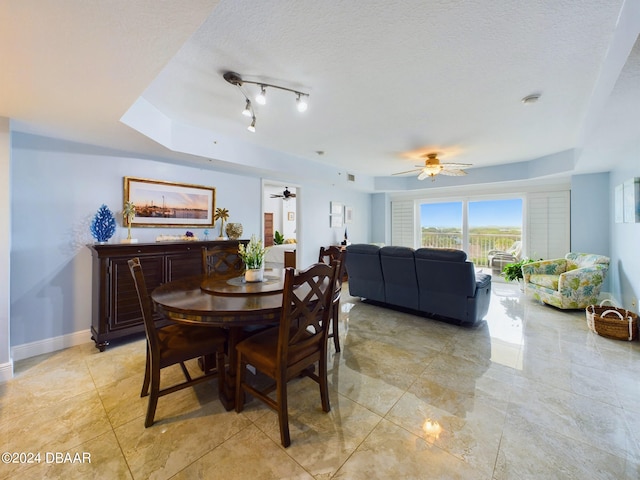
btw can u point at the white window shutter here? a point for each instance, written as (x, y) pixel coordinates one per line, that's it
(548, 225)
(403, 223)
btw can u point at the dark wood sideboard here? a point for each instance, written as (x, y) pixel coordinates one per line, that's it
(115, 308)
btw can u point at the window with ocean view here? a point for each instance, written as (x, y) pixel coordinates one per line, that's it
(473, 226)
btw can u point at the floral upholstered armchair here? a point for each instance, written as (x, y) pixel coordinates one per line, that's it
(571, 282)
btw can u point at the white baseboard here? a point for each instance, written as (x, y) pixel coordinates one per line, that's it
(48, 345)
(6, 371)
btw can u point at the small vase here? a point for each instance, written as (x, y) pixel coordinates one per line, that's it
(252, 275)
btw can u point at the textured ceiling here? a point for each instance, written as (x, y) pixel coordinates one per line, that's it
(388, 80)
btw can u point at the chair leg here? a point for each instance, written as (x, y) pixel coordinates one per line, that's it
(221, 372)
(240, 373)
(283, 411)
(147, 377)
(323, 382)
(336, 336)
(153, 396)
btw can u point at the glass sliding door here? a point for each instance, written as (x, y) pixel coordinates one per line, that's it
(475, 226)
(493, 225)
(441, 225)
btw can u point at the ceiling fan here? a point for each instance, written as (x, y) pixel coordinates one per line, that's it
(433, 167)
(286, 194)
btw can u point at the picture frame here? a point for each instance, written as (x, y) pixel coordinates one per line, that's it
(618, 204)
(631, 201)
(169, 204)
(335, 217)
(348, 214)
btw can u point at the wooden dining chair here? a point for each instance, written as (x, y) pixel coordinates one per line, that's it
(221, 260)
(328, 255)
(174, 344)
(296, 344)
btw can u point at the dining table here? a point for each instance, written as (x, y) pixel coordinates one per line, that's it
(223, 301)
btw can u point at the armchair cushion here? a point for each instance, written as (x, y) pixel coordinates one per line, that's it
(547, 281)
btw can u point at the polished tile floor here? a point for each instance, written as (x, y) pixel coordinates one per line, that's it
(528, 394)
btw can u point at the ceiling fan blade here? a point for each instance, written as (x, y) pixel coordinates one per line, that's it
(273, 195)
(408, 171)
(424, 175)
(455, 165)
(453, 172)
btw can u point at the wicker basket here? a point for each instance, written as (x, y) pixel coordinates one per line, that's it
(612, 322)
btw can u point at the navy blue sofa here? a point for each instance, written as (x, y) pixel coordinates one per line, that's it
(432, 281)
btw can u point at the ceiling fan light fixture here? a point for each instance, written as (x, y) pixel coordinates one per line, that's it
(432, 167)
(261, 98)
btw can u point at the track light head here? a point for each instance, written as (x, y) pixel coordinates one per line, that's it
(261, 97)
(247, 109)
(301, 103)
(252, 127)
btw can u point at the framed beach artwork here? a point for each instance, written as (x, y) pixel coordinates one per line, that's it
(169, 204)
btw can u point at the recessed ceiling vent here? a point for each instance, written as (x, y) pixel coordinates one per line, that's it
(351, 177)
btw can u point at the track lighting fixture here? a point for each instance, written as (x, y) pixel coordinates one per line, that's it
(235, 79)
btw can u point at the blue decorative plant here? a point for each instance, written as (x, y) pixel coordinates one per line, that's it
(103, 225)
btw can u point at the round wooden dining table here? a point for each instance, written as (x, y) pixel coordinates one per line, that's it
(227, 302)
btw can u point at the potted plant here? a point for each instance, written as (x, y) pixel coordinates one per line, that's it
(513, 271)
(253, 257)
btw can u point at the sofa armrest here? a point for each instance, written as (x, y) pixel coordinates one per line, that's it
(556, 266)
(482, 281)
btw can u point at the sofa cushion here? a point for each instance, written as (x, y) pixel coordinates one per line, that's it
(365, 272)
(399, 272)
(441, 254)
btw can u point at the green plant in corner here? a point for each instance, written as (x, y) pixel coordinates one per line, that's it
(278, 238)
(513, 271)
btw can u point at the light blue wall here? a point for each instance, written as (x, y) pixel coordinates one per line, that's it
(5, 245)
(381, 218)
(58, 186)
(624, 275)
(590, 212)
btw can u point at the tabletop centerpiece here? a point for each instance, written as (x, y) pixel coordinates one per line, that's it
(253, 257)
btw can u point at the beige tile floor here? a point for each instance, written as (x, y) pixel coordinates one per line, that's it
(528, 394)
